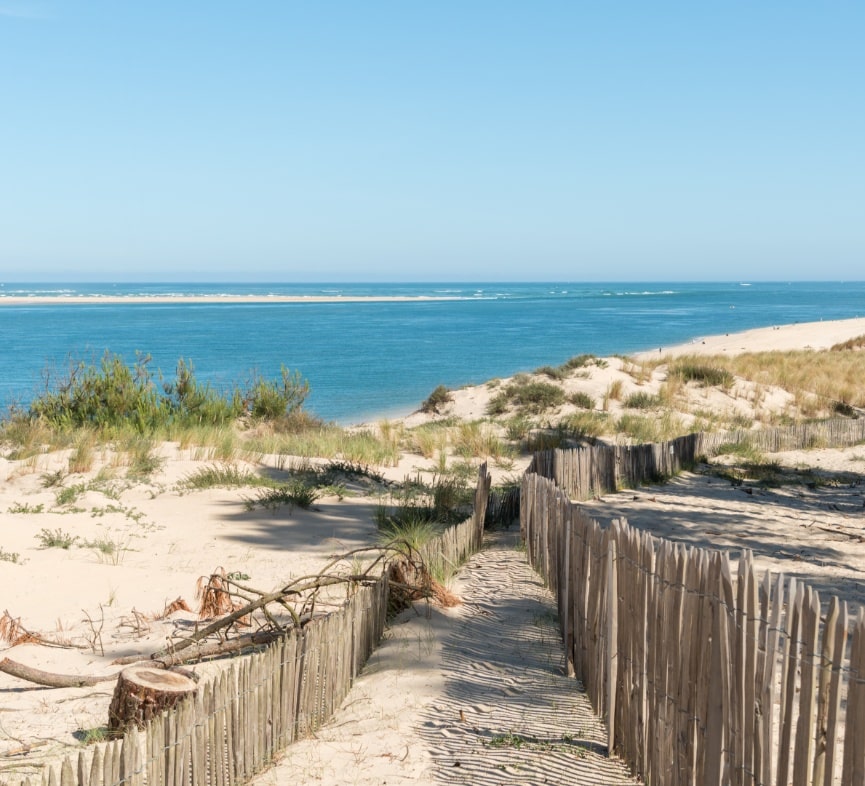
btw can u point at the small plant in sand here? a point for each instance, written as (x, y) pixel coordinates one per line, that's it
(84, 453)
(582, 361)
(69, 494)
(581, 399)
(221, 476)
(553, 372)
(545, 439)
(26, 507)
(53, 479)
(641, 400)
(703, 374)
(585, 425)
(517, 427)
(477, 440)
(9, 556)
(56, 539)
(444, 501)
(109, 550)
(527, 396)
(437, 400)
(428, 439)
(294, 494)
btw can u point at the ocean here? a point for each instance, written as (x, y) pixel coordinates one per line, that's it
(374, 359)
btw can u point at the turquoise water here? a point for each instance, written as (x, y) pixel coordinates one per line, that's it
(373, 359)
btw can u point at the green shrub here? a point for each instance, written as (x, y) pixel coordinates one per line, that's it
(528, 395)
(436, 400)
(110, 396)
(269, 400)
(553, 372)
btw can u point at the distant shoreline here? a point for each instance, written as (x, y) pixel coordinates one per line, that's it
(75, 300)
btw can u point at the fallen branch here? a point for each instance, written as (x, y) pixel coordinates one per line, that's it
(49, 679)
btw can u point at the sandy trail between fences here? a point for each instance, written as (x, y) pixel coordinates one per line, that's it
(471, 695)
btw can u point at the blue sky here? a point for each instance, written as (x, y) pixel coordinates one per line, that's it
(397, 141)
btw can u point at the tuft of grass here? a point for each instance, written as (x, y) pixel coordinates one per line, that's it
(414, 530)
(703, 375)
(613, 392)
(56, 539)
(429, 439)
(294, 494)
(641, 400)
(545, 439)
(581, 361)
(582, 399)
(84, 452)
(477, 440)
(221, 476)
(851, 344)
(585, 425)
(144, 458)
(517, 427)
(444, 501)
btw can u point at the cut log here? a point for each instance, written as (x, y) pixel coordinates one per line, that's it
(142, 692)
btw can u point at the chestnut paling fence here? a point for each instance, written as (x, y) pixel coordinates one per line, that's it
(235, 723)
(600, 469)
(706, 672)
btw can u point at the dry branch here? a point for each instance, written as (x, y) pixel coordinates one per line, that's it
(49, 679)
(409, 579)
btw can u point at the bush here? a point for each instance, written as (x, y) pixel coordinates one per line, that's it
(436, 400)
(528, 395)
(112, 396)
(552, 372)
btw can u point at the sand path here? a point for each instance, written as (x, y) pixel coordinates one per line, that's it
(472, 695)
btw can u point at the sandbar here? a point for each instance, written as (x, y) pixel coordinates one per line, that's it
(75, 300)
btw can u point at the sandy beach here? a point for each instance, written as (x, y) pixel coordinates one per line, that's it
(818, 336)
(138, 546)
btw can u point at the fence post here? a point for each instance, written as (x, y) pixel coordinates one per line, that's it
(612, 643)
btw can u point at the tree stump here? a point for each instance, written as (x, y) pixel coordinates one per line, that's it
(142, 692)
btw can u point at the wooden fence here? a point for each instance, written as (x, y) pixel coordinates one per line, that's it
(600, 469)
(236, 722)
(705, 675)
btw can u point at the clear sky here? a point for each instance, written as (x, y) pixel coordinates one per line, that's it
(278, 140)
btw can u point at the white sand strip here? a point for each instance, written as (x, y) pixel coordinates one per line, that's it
(475, 695)
(818, 336)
